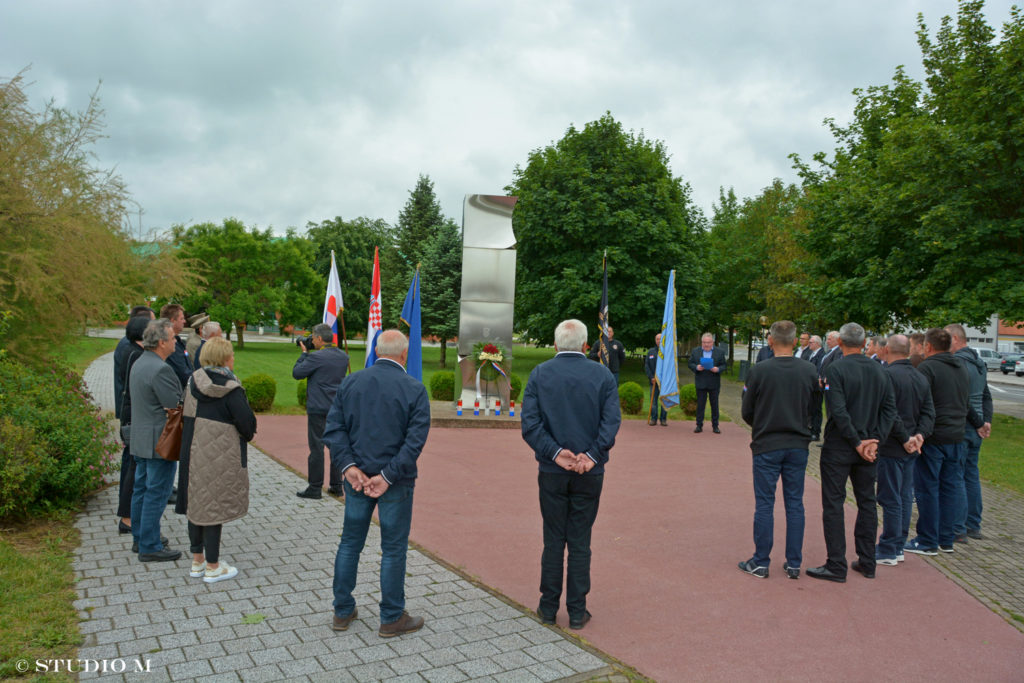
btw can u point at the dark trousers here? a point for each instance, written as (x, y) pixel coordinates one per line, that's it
(126, 486)
(702, 396)
(895, 477)
(205, 540)
(568, 505)
(315, 425)
(836, 466)
(817, 397)
(656, 407)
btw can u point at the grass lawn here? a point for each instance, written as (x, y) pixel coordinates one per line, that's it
(85, 350)
(1000, 461)
(37, 620)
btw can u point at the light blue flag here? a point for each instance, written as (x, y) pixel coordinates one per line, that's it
(666, 372)
(411, 317)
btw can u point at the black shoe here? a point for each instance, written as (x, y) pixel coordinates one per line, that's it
(716, 430)
(858, 567)
(311, 492)
(164, 555)
(135, 544)
(962, 538)
(173, 498)
(545, 619)
(825, 573)
(336, 491)
(578, 622)
(791, 572)
(664, 423)
(698, 430)
(652, 423)
(749, 567)
(975, 534)
(123, 528)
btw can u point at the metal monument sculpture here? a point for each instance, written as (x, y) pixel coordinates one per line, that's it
(488, 294)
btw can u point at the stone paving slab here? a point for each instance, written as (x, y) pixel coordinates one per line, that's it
(272, 622)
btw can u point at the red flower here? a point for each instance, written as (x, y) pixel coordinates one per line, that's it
(490, 348)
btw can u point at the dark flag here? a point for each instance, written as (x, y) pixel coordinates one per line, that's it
(602, 315)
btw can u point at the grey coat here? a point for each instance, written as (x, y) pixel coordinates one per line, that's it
(154, 387)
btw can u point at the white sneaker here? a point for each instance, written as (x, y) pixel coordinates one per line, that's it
(221, 573)
(197, 570)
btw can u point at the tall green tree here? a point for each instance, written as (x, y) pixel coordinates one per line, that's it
(419, 221)
(918, 217)
(251, 277)
(441, 285)
(64, 257)
(353, 242)
(595, 189)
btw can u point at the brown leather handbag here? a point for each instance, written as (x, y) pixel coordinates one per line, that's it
(168, 446)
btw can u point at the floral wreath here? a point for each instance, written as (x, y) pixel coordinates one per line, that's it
(491, 360)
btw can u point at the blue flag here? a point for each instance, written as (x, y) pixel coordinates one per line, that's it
(666, 372)
(411, 317)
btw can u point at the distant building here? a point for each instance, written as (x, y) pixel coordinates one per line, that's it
(1000, 335)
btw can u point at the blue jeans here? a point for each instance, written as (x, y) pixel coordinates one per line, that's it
(790, 464)
(895, 491)
(970, 517)
(154, 478)
(394, 509)
(939, 487)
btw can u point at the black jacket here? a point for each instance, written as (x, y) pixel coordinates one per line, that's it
(180, 362)
(915, 412)
(860, 403)
(705, 379)
(950, 386)
(379, 422)
(616, 354)
(777, 403)
(570, 403)
(324, 369)
(979, 397)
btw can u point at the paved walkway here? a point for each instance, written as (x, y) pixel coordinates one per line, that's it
(272, 622)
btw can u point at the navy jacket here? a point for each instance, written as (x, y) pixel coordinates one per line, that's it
(979, 396)
(915, 412)
(705, 379)
(324, 369)
(379, 422)
(180, 362)
(570, 403)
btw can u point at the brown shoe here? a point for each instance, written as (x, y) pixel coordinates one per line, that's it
(405, 624)
(342, 623)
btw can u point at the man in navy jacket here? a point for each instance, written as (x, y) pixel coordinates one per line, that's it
(570, 418)
(707, 362)
(376, 429)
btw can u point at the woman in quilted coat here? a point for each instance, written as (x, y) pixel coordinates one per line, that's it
(213, 482)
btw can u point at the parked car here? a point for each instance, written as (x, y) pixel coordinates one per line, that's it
(991, 358)
(1010, 362)
(1019, 368)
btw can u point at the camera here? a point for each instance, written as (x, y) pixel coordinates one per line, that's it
(305, 341)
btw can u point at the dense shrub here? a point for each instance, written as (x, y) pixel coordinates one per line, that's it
(442, 386)
(54, 446)
(300, 392)
(260, 389)
(516, 384)
(631, 398)
(688, 399)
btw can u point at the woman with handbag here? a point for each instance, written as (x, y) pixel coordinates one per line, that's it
(213, 482)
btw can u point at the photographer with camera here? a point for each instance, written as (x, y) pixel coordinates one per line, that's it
(323, 370)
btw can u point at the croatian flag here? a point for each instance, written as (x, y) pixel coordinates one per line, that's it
(333, 304)
(373, 325)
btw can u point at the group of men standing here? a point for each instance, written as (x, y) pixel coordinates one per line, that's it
(897, 432)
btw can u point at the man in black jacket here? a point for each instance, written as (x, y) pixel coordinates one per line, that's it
(650, 368)
(570, 418)
(376, 430)
(861, 410)
(939, 472)
(121, 353)
(179, 360)
(615, 357)
(707, 362)
(323, 370)
(776, 404)
(915, 416)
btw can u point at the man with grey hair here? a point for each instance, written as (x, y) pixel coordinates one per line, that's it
(915, 417)
(323, 368)
(861, 410)
(707, 362)
(876, 349)
(376, 430)
(968, 522)
(154, 389)
(570, 417)
(208, 330)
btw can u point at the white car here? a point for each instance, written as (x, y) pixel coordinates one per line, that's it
(1019, 368)
(991, 358)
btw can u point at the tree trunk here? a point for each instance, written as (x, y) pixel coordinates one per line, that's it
(444, 350)
(240, 326)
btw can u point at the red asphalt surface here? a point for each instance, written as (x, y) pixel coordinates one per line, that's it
(667, 597)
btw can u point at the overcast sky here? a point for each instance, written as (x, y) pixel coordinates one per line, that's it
(283, 113)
